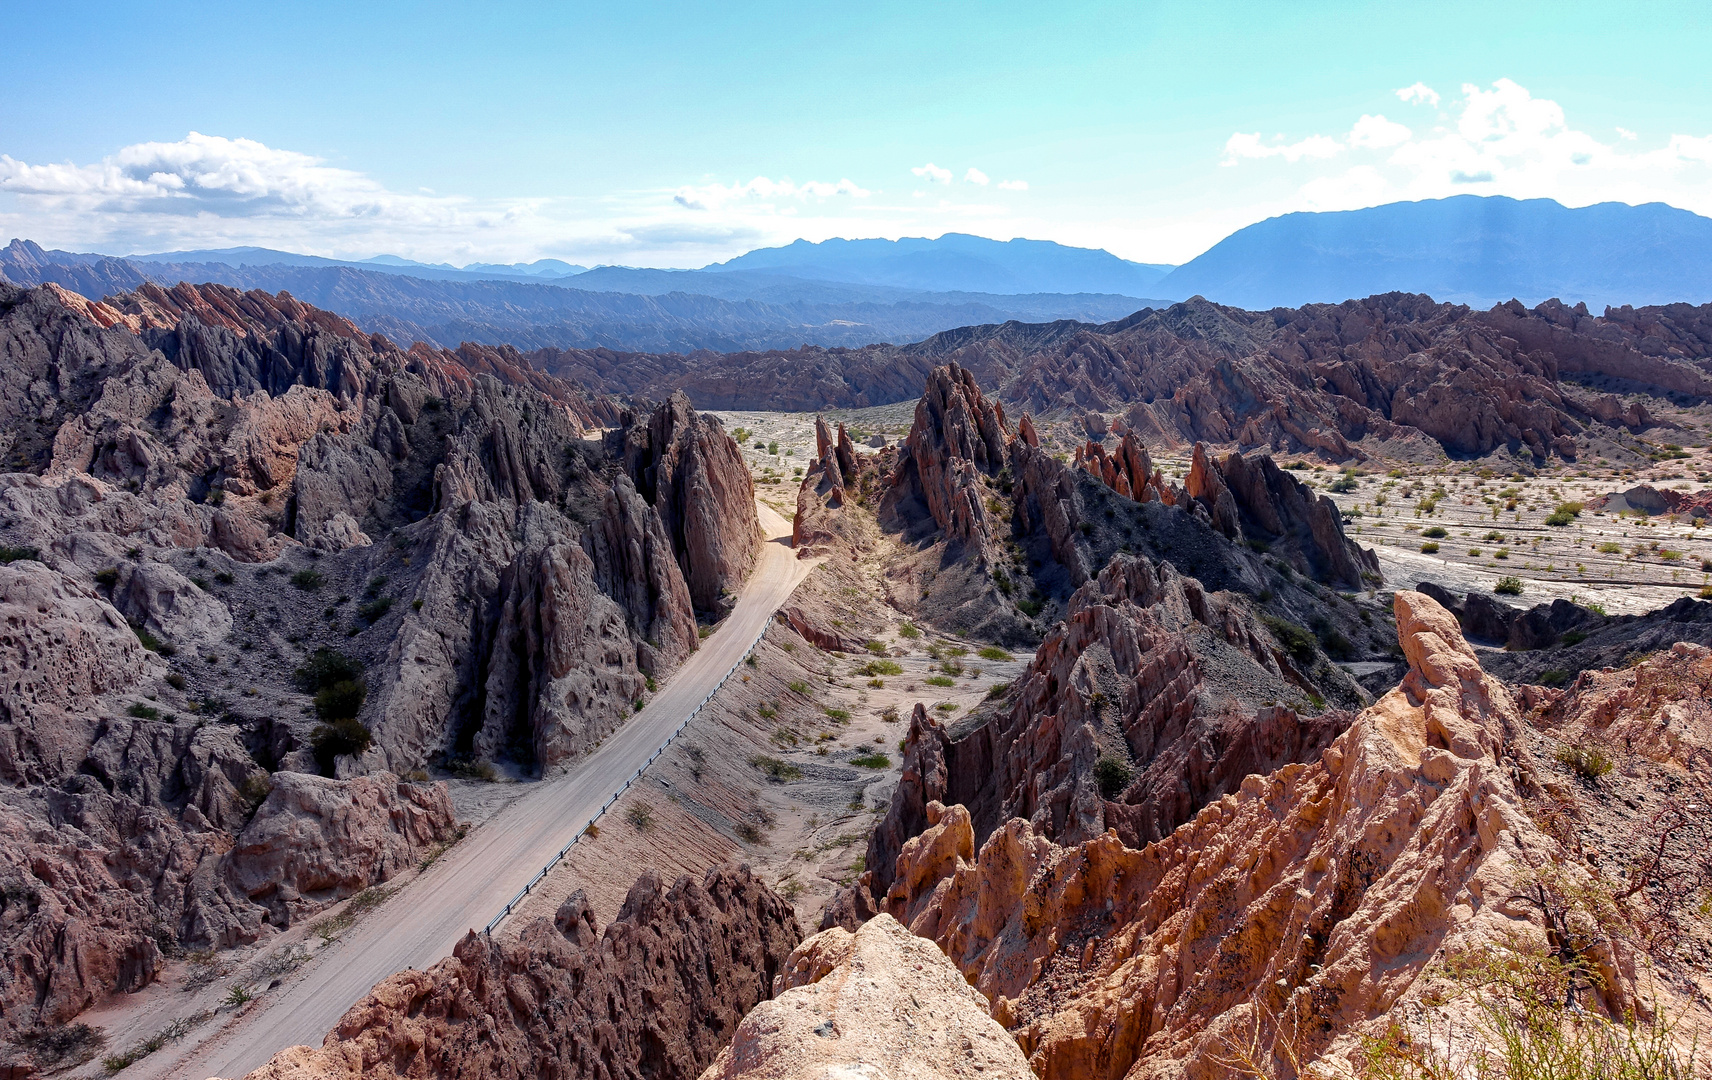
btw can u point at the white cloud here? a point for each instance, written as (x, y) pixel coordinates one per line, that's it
(712, 196)
(1419, 93)
(976, 176)
(1497, 140)
(1378, 132)
(1013, 185)
(932, 173)
(1240, 146)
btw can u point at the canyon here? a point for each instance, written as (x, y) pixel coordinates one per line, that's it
(1036, 699)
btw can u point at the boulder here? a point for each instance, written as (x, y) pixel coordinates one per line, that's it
(877, 1002)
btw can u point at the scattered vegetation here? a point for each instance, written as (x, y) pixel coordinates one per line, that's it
(62, 1046)
(1113, 775)
(1585, 760)
(1509, 585)
(173, 1032)
(1296, 641)
(329, 928)
(881, 667)
(776, 769)
(336, 680)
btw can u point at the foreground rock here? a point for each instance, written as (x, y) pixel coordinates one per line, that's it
(658, 995)
(879, 1002)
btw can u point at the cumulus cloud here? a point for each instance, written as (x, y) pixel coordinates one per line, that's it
(976, 176)
(1013, 185)
(713, 196)
(1499, 140)
(1420, 93)
(1241, 145)
(932, 173)
(208, 174)
(1378, 132)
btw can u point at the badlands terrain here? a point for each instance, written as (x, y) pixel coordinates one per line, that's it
(1312, 692)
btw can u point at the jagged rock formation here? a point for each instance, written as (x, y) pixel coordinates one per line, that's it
(958, 436)
(1150, 674)
(657, 995)
(837, 475)
(250, 483)
(1286, 919)
(839, 1009)
(692, 472)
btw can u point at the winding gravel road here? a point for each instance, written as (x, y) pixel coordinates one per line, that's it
(474, 880)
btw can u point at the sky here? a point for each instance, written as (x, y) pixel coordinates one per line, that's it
(675, 135)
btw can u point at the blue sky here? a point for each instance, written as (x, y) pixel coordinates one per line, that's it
(678, 134)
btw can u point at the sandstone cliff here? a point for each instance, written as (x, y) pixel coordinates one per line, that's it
(1286, 919)
(657, 995)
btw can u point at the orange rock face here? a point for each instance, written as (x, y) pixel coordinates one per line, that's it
(1291, 916)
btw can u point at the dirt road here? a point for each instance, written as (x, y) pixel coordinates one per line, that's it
(473, 881)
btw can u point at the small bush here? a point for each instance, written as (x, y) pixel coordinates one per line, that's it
(939, 680)
(1586, 760)
(881, 667)
(1609, 547)
(908, 631)
(9, 555)
(1113, 775)
(1031, 608)
(143, 712)
(1508, 585)
(641, 816)
(838, 716)
(108, 577)
(308, 580)
(373, 610)
(1558, 517)
(329, 741)
(799, 687)
(238, 995)
(946, 707)
(878, 648)
(998, 690)
(65, 1044)
(1554, 677)
(1434, 533)
(993, 652)
(776, 769)
(1431, 547)
(224, 577)
(873, 759)
(1296, 641)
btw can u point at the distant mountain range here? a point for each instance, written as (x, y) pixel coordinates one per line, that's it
(633, 310)
(958, 262)
(1469, 249)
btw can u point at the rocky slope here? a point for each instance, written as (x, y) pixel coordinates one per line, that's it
(243, 541)
(658, 994)
(1290, 917)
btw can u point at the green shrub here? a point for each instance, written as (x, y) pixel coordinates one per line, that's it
(939, 680)
(9, 555)
(329, 741)
(1586, 760)
(1031, 608)
(776, 770)
(1436, 532)
(1431, 547)
(837, 716)
(1296, 641)
(308, 580)
(143, 712)
(998, 690)
(878, 648)
(374, 609)
(108, 577)
(1509, 585)
(993, 652)
(881, 667)
(797, 686)
(1558, 517)
(324, 668)
(1113, 775)
(873, 759)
